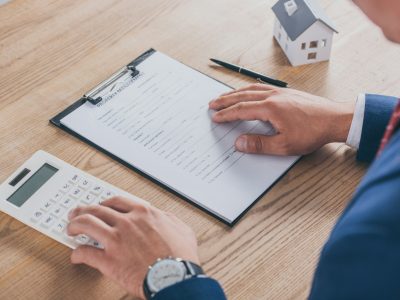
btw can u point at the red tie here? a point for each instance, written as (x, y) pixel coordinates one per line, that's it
(391, 128)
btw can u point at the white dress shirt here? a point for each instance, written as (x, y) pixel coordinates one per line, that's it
(354, 137)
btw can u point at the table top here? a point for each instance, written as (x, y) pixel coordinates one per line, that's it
(51, 52)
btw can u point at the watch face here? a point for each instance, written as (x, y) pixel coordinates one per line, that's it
(165, 273)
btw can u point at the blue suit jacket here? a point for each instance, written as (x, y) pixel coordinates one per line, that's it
(361, 259)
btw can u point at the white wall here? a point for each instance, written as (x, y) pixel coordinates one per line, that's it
(284, 41)
(317, 32)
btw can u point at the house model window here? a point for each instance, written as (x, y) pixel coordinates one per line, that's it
(303, 31)
(312, 55)
(314, 44)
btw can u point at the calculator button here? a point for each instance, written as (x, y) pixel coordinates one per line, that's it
(88, 198)
(48, 221)
(37, 215)
(60, 227)
(82, 239)
(47, 206)
(74, 179)
(97, 190)
(67, 202)
(84, 184)
(57, 197)
(96, 244)
(107, 194)
(65, 188)
(58, 211)
(76, 192)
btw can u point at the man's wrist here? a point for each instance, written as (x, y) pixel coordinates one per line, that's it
(342, 121)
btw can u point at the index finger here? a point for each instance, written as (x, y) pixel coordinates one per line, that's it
(248, 111)
(252, 87)
(92, 226)
(123, 205)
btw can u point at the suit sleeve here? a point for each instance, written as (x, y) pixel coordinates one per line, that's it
(202, 288)
(361, 259)
(378, 111)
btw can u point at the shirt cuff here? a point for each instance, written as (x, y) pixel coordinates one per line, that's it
(354, 137)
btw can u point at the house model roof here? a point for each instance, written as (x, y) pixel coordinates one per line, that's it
(306, 14)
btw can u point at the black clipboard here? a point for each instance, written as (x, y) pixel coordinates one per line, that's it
(91, 97)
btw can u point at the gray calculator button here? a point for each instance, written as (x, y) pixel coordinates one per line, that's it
(65, 188)
(48, 221)
(97, 190)
(107, 194)
(37, 215)
(88, 198)
(82, 239)
(74, 179)
(60, 227)
(96, 244)
(84, 184)
(47, 206)
(57, 197)
(76, 192)
(67, 202)
(58, 211)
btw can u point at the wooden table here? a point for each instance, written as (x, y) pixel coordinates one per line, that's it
(51, 52)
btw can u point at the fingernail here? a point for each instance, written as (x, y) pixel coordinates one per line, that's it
(241, 143)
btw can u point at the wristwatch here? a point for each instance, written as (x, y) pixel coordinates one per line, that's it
(166, 272)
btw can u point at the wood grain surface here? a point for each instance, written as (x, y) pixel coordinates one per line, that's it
(52, 52)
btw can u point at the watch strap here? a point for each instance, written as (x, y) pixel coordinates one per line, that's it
(192, 268)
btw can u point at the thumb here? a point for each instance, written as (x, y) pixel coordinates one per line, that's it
(259, 144)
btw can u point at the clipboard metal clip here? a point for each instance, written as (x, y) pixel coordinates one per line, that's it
(91, 96)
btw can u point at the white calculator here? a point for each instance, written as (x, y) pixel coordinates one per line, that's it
(42, 192)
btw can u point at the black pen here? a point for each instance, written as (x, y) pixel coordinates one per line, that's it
(250, 73)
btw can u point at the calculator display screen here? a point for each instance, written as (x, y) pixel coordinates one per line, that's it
(35, 182)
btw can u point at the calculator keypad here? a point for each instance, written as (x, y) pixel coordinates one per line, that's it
(53, 213)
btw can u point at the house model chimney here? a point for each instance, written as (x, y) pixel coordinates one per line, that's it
(291, 7)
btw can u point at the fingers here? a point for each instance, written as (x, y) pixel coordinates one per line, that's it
(90, 256)
(252, 87)
(106, 214)
(262, 144)
(243, 111)
(244, 96)
(121, 204)
(91, 226)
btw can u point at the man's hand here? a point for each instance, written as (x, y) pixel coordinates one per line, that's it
(303, 122)
(133, 235)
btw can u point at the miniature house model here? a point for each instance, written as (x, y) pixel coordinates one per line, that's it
(303, 31)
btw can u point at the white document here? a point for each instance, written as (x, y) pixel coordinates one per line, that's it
(159, 123)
